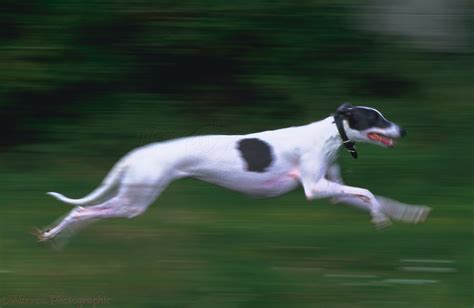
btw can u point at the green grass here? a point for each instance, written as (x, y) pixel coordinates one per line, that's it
(202, 246)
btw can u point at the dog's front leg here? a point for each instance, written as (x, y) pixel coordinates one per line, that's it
(333, 174)
(316, 187)
(394, 209)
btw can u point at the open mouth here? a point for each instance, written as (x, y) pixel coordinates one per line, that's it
(387, 141)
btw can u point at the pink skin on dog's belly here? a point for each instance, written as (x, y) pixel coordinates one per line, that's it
(254, 184)
(285, 178)
(282, 183)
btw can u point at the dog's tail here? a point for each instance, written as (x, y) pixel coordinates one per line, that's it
(109, 183)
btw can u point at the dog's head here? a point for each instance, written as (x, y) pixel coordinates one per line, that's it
(365, 124)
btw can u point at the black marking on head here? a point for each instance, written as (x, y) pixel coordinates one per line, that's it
(256, 153)
(362, 118)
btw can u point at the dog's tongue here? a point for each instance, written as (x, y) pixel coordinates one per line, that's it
(379, 138)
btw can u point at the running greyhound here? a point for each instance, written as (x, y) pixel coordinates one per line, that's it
(264, 164)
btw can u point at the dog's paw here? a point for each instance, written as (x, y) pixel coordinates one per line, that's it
(421, 213)
(41, 235)
(38, 233)
(413, 214)
(381, 222)
(404, 212)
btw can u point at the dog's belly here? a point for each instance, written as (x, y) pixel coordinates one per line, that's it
(259, 185)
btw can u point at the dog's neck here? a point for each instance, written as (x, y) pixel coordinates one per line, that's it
(326, 137)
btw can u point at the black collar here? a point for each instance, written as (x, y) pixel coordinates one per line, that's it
(350, 145)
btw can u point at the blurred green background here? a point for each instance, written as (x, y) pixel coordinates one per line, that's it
(83, 82)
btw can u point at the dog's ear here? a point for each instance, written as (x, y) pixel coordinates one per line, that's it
(344, 109)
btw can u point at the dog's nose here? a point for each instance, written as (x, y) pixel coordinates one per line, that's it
(403, 132)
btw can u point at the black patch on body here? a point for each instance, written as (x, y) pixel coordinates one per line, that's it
(256, 153)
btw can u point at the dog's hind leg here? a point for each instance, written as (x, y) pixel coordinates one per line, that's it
(136, 192)
(138, 187)
(131, 201)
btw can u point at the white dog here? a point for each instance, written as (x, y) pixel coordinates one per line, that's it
(265, 164)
